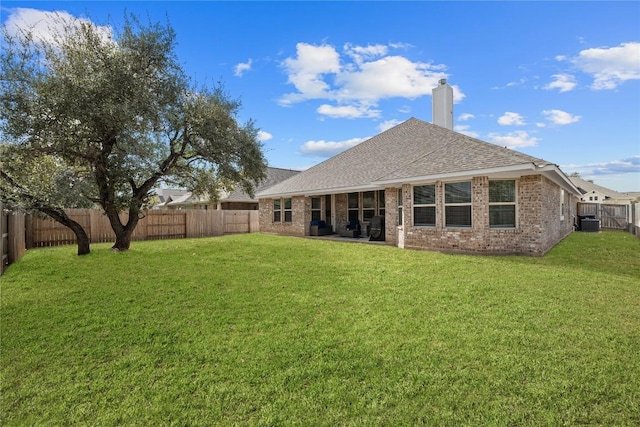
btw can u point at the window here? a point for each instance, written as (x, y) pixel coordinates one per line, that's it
(424, 205)
(277, 210)
(368, 205)
(353, 205)
(502, 204)
(316, 209)
(562, 207)
(287, 210)
(457, 204)
(327, 209)
(381, 207)
(400, 202)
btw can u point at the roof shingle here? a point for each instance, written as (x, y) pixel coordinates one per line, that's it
(414, 148)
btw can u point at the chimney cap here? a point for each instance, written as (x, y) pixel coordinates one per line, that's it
(442, 82)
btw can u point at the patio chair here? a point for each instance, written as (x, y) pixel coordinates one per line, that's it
(351, 229)
(319, 228)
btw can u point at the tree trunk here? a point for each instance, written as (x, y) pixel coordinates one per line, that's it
(123, 240)
(123, 232)
(81, 236)
(54, 213)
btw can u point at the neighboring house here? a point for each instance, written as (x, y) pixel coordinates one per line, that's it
(435, 188)
(593, 193)
(635, 196)
(186, 200)
(239, 200)
(235, 200)
(164, 196)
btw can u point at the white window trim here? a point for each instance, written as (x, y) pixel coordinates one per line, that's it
(399, 196)
(514, 204)
(277, 210)
(445, 205)
(319, 210)
(285, 210)
(422, 205)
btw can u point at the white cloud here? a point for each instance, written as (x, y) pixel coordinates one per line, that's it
(388, 124)
(241, 68)
(264, 136)
(517, 139)
(559, 117)
(358, 78)
(518, 83)
(45, 26)
(464, 129)
(362, 53)
(610, 66)
(388, 77)
(562, 82)
(511, 119)
(306, 72)
(614, 167)
(348, 111)
(328, 148)
(465, 116)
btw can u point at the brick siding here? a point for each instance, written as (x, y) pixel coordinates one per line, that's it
(539, 226)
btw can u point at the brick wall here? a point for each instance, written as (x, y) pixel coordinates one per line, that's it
(538, 229)
(391, 216)
(301, 216)
(341, 213)
(538, 212)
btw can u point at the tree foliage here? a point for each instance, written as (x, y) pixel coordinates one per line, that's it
(113, 116)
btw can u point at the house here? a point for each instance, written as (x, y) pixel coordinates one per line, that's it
(165, 196)
(239, 200)
(433, 188)
(231, 200)
(593, 193)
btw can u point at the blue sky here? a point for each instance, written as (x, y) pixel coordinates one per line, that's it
(555, 80)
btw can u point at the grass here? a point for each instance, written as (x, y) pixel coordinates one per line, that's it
(268, 330)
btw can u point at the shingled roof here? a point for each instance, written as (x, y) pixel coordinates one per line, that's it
(273, 176)
(412, 151)
(589, 187)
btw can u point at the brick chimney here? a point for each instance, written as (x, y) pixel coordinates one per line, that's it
(442, 105)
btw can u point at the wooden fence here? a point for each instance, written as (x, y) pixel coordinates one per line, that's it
(616, 217)
(20, 232)
(12, 238)
(635, 219)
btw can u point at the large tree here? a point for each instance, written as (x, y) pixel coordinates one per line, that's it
(117, 113)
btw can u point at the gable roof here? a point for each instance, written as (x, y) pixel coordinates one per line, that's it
(273, 177)
(589, 187)
(412, 152)
(166, 195)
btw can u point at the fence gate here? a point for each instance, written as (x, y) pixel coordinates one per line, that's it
(610, 216)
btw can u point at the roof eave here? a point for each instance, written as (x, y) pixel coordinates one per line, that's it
(552, 172)
(504, 171)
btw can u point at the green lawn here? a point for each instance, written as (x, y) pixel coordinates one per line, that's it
(268, 330)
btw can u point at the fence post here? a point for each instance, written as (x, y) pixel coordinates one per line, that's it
(16, 242)
(2, 237)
